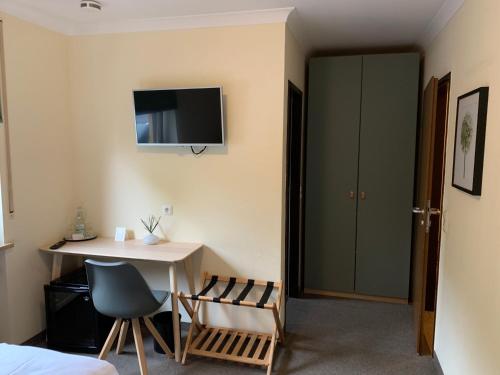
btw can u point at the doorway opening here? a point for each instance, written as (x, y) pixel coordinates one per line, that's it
(294, 219)
(428, 223)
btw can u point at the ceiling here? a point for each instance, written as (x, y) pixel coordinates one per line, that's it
(318, 24)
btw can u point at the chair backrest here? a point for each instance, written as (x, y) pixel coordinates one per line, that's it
(119, 290)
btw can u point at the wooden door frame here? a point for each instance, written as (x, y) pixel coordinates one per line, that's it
(295, 261)
(445, 80)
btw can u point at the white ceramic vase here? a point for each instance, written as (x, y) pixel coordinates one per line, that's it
(151, 239)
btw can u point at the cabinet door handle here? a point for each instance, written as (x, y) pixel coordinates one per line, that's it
(351, 195)
(362, 195)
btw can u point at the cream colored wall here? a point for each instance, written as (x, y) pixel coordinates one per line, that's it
(73, 142)
(295, 61)
(468, 309)
(229, 198)
(37, 93)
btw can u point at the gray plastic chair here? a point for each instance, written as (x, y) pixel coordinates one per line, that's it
(119, 290)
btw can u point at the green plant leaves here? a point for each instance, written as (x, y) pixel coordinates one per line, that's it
(151, 223)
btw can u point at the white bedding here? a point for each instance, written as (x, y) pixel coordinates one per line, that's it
(24, 360)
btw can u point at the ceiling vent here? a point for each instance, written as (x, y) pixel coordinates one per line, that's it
(90, 5)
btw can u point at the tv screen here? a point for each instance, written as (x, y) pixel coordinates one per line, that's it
(179, 117)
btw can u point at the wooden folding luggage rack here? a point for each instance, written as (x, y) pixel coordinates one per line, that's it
(253, 348)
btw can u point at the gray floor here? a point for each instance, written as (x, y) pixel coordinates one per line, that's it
(325, 336)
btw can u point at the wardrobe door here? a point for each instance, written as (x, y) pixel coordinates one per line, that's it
(332, 163)
(386, 171)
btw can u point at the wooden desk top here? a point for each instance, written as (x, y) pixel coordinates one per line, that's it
(132, 249)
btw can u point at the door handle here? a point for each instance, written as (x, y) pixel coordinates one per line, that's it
(426, 215)
(430, 211)
(419, 211)
(351, 194)
(362, 195)
(434, 211)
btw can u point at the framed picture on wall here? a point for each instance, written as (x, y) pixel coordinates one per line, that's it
(470, 131)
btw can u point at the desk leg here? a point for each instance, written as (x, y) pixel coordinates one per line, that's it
(175, 311)
(56, 266)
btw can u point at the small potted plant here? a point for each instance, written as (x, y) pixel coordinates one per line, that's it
(150, 224)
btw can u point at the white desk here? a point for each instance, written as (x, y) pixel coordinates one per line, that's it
(167, 252)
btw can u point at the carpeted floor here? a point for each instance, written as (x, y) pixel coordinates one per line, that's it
(325, 336)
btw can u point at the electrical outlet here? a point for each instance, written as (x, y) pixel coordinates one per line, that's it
(167, 209)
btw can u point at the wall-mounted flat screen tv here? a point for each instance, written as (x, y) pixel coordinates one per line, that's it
(179, 117)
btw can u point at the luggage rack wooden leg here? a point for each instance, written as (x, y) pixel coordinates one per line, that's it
(190, 311)
(271, 354)
(194, 323)
(277, 328)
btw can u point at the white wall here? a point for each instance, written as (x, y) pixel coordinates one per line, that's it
(468, 309)
(72, 138)
(41, 149)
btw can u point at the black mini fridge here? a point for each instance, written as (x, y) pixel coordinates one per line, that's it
(73, 324)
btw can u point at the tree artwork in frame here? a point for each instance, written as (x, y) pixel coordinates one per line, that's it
(470, 131)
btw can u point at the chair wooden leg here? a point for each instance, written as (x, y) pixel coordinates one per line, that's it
(139, 346)
(158, 337)
(122, 337)
(110, 340)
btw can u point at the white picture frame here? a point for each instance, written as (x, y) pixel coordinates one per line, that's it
(120, 234)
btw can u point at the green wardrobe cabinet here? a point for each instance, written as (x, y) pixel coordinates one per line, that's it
(332, 172)
(361, 136)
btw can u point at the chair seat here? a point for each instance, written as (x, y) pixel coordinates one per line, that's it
(119, 290)
(161, 295)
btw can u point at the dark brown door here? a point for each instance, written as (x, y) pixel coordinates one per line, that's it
(427, 223)
(294, 284)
